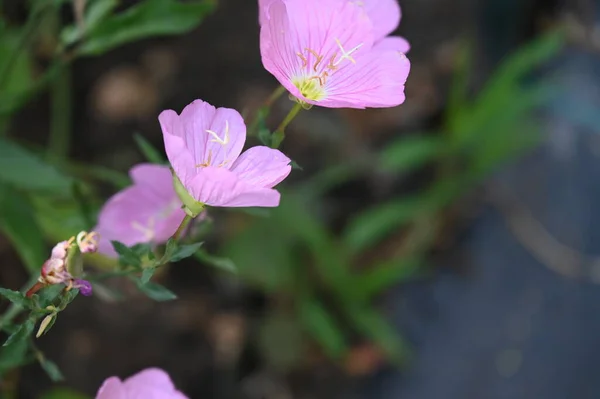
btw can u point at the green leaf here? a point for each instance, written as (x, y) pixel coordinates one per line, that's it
(265, 136)
(96, 12)
(321, 325)
(156, 291)
(147, 274)
(17, 223)
(15, 63)
(184, 251)
(373, 325)
(409, 153)
(13, 355)
(219, 262)
(24, 170)
(373, 224)
(47, 295)
(16, 297)
(127, 256)
(22, 332)
(386, 274)
(63, 393)
(143, 20)
(51, 369)
(150, 153)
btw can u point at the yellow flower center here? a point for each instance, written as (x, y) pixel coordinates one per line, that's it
(311, 82)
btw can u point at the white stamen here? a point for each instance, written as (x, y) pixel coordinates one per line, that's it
(217, 139)
(346, 54)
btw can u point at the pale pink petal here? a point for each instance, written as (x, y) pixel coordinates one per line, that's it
(396, 43)
(262, 166)
(112, 388)
(156, 178)
(376, 82)
(303, 40)
(180, 157)
(148, 211)
(385, 16)
(263, 10)
(222, 187)
(152, 383)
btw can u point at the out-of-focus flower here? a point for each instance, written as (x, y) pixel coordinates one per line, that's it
(204, 143)
(323, 53)
(56, 270)
(385, 17)
(149, 211)
(150, 383)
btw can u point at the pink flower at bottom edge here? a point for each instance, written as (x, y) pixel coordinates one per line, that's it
(149, 211)
(204, 143)
(151, 383)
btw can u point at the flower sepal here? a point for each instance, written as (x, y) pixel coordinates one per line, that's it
(191, 207)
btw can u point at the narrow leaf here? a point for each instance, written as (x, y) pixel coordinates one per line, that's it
(219, 262)
(184, 251)
(24, 170)
(143, 20)
(150, 153)
(21, 333)
(17, 222)
(409, 153)
(51, 369)
(156, 291)
(127, 256)
(16, 297)
(321, 325)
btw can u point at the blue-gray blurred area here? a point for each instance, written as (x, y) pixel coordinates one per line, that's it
(524, 320)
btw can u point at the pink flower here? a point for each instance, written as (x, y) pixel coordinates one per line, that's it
(204, 144)
(149, 211)
(323, 53)
(150, 383)
(385, 17)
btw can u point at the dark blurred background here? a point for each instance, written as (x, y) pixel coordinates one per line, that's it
(508, 305)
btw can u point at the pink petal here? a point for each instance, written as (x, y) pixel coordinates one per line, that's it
(385, 16)
(152, 383)
(263, 10)
(294, 26)
(179, 157)
(262, 166)
(148, 211)
(395, 43)
(222, 187)
(211, 136)
(156, 178)
(112, 388)
(376, 81)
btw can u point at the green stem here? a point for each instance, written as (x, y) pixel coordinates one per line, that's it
(264, 110)
(279, 134)
(184, 223)
(61, 112)
(274, 96)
